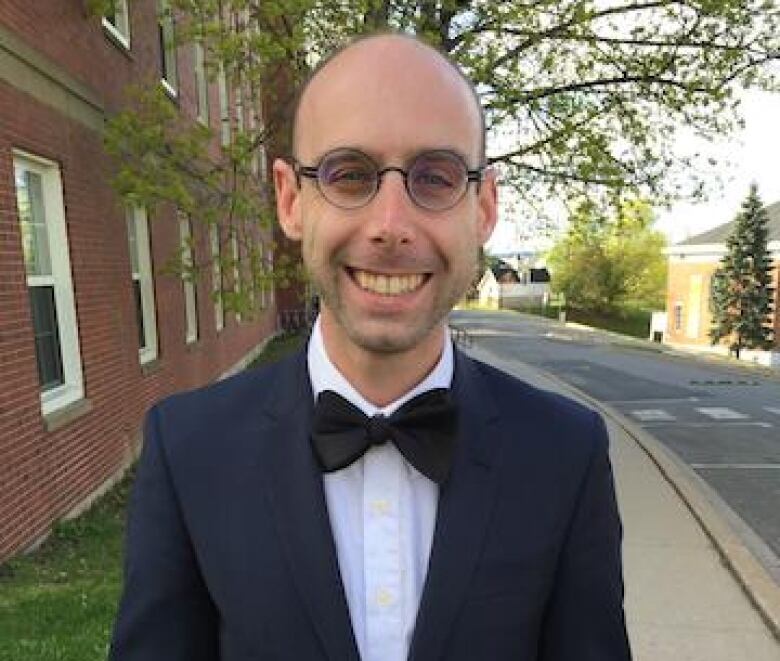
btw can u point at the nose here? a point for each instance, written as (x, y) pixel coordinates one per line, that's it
(391, 212)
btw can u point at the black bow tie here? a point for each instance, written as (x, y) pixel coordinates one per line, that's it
(423, 430)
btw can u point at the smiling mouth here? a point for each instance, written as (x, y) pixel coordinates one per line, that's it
(387, 285)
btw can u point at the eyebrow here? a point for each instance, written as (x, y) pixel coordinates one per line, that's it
(408, 157)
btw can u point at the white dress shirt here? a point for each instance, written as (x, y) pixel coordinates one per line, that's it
(382, 513)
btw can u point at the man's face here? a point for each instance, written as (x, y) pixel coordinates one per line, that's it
(389, 272)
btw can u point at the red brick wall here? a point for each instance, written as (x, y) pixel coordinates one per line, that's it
(678, 288)
(44, 474)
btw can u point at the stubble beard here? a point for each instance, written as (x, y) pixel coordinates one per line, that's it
(325, 283)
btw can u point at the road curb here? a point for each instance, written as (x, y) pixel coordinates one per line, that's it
(706, 507)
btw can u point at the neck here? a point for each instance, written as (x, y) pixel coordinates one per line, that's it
(383, 377)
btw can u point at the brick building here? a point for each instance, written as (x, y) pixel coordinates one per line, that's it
(91, 332)
(692, 264)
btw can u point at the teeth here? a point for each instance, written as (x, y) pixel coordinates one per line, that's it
(388, 285)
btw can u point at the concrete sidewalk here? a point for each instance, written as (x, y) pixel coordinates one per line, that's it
(693, 591)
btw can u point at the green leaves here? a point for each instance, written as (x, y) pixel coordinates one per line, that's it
(589, 96)
(605, 264)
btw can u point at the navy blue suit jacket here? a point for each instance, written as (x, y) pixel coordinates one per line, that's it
(230, 554)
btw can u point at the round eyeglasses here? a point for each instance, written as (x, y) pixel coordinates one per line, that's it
(349, 179)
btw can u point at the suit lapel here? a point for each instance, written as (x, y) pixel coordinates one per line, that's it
(465, 502)
(294, 488)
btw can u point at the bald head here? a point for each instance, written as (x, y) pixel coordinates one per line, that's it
(392, 71)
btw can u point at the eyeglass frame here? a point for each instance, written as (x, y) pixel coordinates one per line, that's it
(313, 172)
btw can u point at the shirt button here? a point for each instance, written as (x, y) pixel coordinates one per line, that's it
(380, 506)
(384, 598)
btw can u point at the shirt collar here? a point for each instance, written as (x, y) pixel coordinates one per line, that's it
(325, 376)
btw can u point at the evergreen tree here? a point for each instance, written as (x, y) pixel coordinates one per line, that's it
(741, 288)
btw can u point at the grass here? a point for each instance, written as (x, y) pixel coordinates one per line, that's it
(630, 321)
(635, 323)
(278, 347)
(59, 602)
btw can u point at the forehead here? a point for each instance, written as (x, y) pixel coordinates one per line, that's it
(391, 97)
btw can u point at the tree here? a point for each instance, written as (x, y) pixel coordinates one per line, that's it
(610, 264)
(583, 98)
(742, 294)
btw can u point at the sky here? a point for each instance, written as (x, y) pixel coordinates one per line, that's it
(750, 155)
(754, 156)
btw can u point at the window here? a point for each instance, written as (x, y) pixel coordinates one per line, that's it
(256, 129)
(201, 83)
(224, 108)
(252, 125)
(236, 270)
(216, 278)
(49, 284)
(190, 300)
(677, 320)
(239, 109)
(168, 75)
(263, 286)
(269, 265)
(116, 21)
(143, 285)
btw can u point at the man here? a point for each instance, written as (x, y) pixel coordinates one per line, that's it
(264, 526)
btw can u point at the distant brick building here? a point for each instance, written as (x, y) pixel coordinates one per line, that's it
(692, 264)
(90, 332)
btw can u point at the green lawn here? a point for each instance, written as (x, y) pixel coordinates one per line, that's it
(58, 604)
(633, 322)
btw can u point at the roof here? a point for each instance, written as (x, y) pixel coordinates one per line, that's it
(501, 269)
(720, 233)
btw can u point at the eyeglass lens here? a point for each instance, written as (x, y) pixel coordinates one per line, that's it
(435, 180)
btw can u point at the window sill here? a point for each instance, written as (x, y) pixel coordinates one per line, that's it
(67, 414)
(117, 38)
(151, 367)
(170, 90)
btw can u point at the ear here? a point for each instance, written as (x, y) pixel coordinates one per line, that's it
(487, 205)
(287, 199)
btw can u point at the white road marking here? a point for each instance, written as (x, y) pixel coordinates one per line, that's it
(726, 423)
(663, 400)
(721, 413)
(558, 336)
(737, 466)
(653, 415)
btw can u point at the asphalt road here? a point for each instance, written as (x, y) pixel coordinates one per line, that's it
(722, 420)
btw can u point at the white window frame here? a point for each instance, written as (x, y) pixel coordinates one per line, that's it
(120, 31)
(216, 277)
(188, 286)
(269, 265)
(60, 279)
(201, 83)
(224, 107)
(254, 164)
(239, 108)
(259, 165)
(169, 77)
(236, 269)
(263, 300)
(144, 276)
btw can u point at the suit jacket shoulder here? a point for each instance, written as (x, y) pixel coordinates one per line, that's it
(213, 417)
(536, 417)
